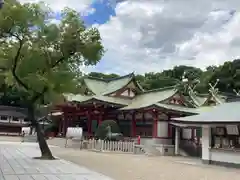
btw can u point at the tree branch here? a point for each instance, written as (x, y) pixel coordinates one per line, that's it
(53, 65)
(15, 63)
(38, 95)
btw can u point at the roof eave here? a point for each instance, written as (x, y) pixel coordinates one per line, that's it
(226, 122)
(92, 100)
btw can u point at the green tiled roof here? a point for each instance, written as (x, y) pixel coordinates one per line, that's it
(107, 86)
(97, 86)
(177, 108)
(150, 97)
(85, 99)
(113, 86)
(144, 100)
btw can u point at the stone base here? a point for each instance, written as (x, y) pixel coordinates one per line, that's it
(165, 150)
(218, 163)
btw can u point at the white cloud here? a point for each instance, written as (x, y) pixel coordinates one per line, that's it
(152, 35)
(79, 5)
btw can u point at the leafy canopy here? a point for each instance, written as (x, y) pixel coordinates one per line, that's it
(40, 57)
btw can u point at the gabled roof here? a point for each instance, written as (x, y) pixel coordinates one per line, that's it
(107, 86)
(151, 97)
(96, 86)
(147, 99)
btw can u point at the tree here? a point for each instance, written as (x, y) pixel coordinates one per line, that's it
(42, 59)
(102, 75)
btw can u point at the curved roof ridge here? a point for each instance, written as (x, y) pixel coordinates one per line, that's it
(121, 77)
(159, 89)
(110, 79)
(95, 78)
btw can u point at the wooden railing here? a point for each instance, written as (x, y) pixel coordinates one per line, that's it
(105, 146)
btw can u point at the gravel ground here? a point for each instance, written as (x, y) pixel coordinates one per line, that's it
(140, 167)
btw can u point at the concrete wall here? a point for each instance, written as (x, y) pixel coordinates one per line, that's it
(153, 141)
(225, 156)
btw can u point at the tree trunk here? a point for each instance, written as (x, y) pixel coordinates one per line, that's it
(45, 150)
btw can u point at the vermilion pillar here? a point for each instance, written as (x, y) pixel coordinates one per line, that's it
(155, 124)
(134, 125)
(89, 123)
(100, 118)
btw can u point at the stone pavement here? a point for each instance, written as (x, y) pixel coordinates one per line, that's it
(17, 163)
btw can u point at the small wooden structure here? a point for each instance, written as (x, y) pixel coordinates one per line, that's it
(12, 119)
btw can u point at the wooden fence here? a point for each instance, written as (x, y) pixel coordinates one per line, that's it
(107, 146)
(117, 146)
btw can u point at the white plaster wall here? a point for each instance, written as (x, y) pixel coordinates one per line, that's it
(138, 115)
(128, 117)
(125, 93)
(148, 116)
(132, 94)
(162, 130)
(187, 133)
(206, 138)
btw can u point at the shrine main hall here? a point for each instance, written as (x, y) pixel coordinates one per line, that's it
(137, 111)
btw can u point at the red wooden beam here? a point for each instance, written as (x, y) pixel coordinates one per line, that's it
(155, 123)
(134, 124)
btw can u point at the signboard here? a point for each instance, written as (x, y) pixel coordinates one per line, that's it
(26, 130)
(74, 132)
(232, 130)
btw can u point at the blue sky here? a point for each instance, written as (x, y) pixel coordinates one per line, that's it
(102, 13)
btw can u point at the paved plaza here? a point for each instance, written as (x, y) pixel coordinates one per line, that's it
(17, 163)
(113, 165)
